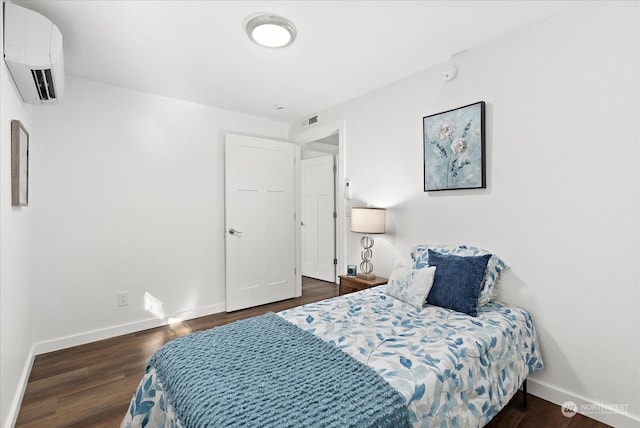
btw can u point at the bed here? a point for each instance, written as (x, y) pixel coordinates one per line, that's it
(440, 367)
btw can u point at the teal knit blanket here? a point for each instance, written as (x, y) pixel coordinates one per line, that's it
(266, 372)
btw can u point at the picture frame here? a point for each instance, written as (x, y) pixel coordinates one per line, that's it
(454, 149)
(19, 165)
(352, 270)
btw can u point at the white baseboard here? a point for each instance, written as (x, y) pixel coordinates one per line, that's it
(613, 414)
(118, 330)
(92, 336)
(14, 409)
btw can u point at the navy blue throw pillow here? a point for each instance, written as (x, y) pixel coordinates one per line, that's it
(456, 284)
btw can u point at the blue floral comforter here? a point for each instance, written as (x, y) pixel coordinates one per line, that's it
(454, 370)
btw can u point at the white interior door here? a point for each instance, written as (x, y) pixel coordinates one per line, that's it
(317, 219)
(259, 221)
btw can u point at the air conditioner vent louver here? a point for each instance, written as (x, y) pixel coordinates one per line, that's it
(44, 84)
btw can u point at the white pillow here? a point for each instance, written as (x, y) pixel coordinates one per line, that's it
(411, 285)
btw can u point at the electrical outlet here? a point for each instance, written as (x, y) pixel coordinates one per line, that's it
(123, 298)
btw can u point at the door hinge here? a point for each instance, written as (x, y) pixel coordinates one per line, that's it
(335, 261)
(335, 214)
(295, 271)
(335, 169)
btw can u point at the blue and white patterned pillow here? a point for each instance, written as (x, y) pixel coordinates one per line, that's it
(411, 285)
(489, 289)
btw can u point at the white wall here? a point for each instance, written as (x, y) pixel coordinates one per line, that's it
(16, 342)
(562, 201)
(127, 195)
(316, 149)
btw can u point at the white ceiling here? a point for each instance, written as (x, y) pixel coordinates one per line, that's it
(198, 50)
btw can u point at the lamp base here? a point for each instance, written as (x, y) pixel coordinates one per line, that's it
(367, 276)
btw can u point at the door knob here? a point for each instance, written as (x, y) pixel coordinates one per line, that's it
(232, 231)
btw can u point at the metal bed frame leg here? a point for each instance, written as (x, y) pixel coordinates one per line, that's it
(524, 394)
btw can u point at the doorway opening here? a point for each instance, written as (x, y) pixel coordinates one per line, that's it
(325, 139)
(318, 215)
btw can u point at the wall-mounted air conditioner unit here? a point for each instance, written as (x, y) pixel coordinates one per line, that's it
(33, 53)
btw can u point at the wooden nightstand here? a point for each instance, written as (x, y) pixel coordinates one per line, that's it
(350, 284)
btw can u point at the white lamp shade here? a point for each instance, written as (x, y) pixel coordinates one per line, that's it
(368, 220)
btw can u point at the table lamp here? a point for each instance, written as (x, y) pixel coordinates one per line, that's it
(368, 221)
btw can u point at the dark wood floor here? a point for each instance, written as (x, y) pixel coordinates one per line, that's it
(91, 385)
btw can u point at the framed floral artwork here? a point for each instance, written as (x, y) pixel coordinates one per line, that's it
(454, 149)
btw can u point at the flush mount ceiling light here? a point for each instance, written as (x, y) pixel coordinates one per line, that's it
(271, 31)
